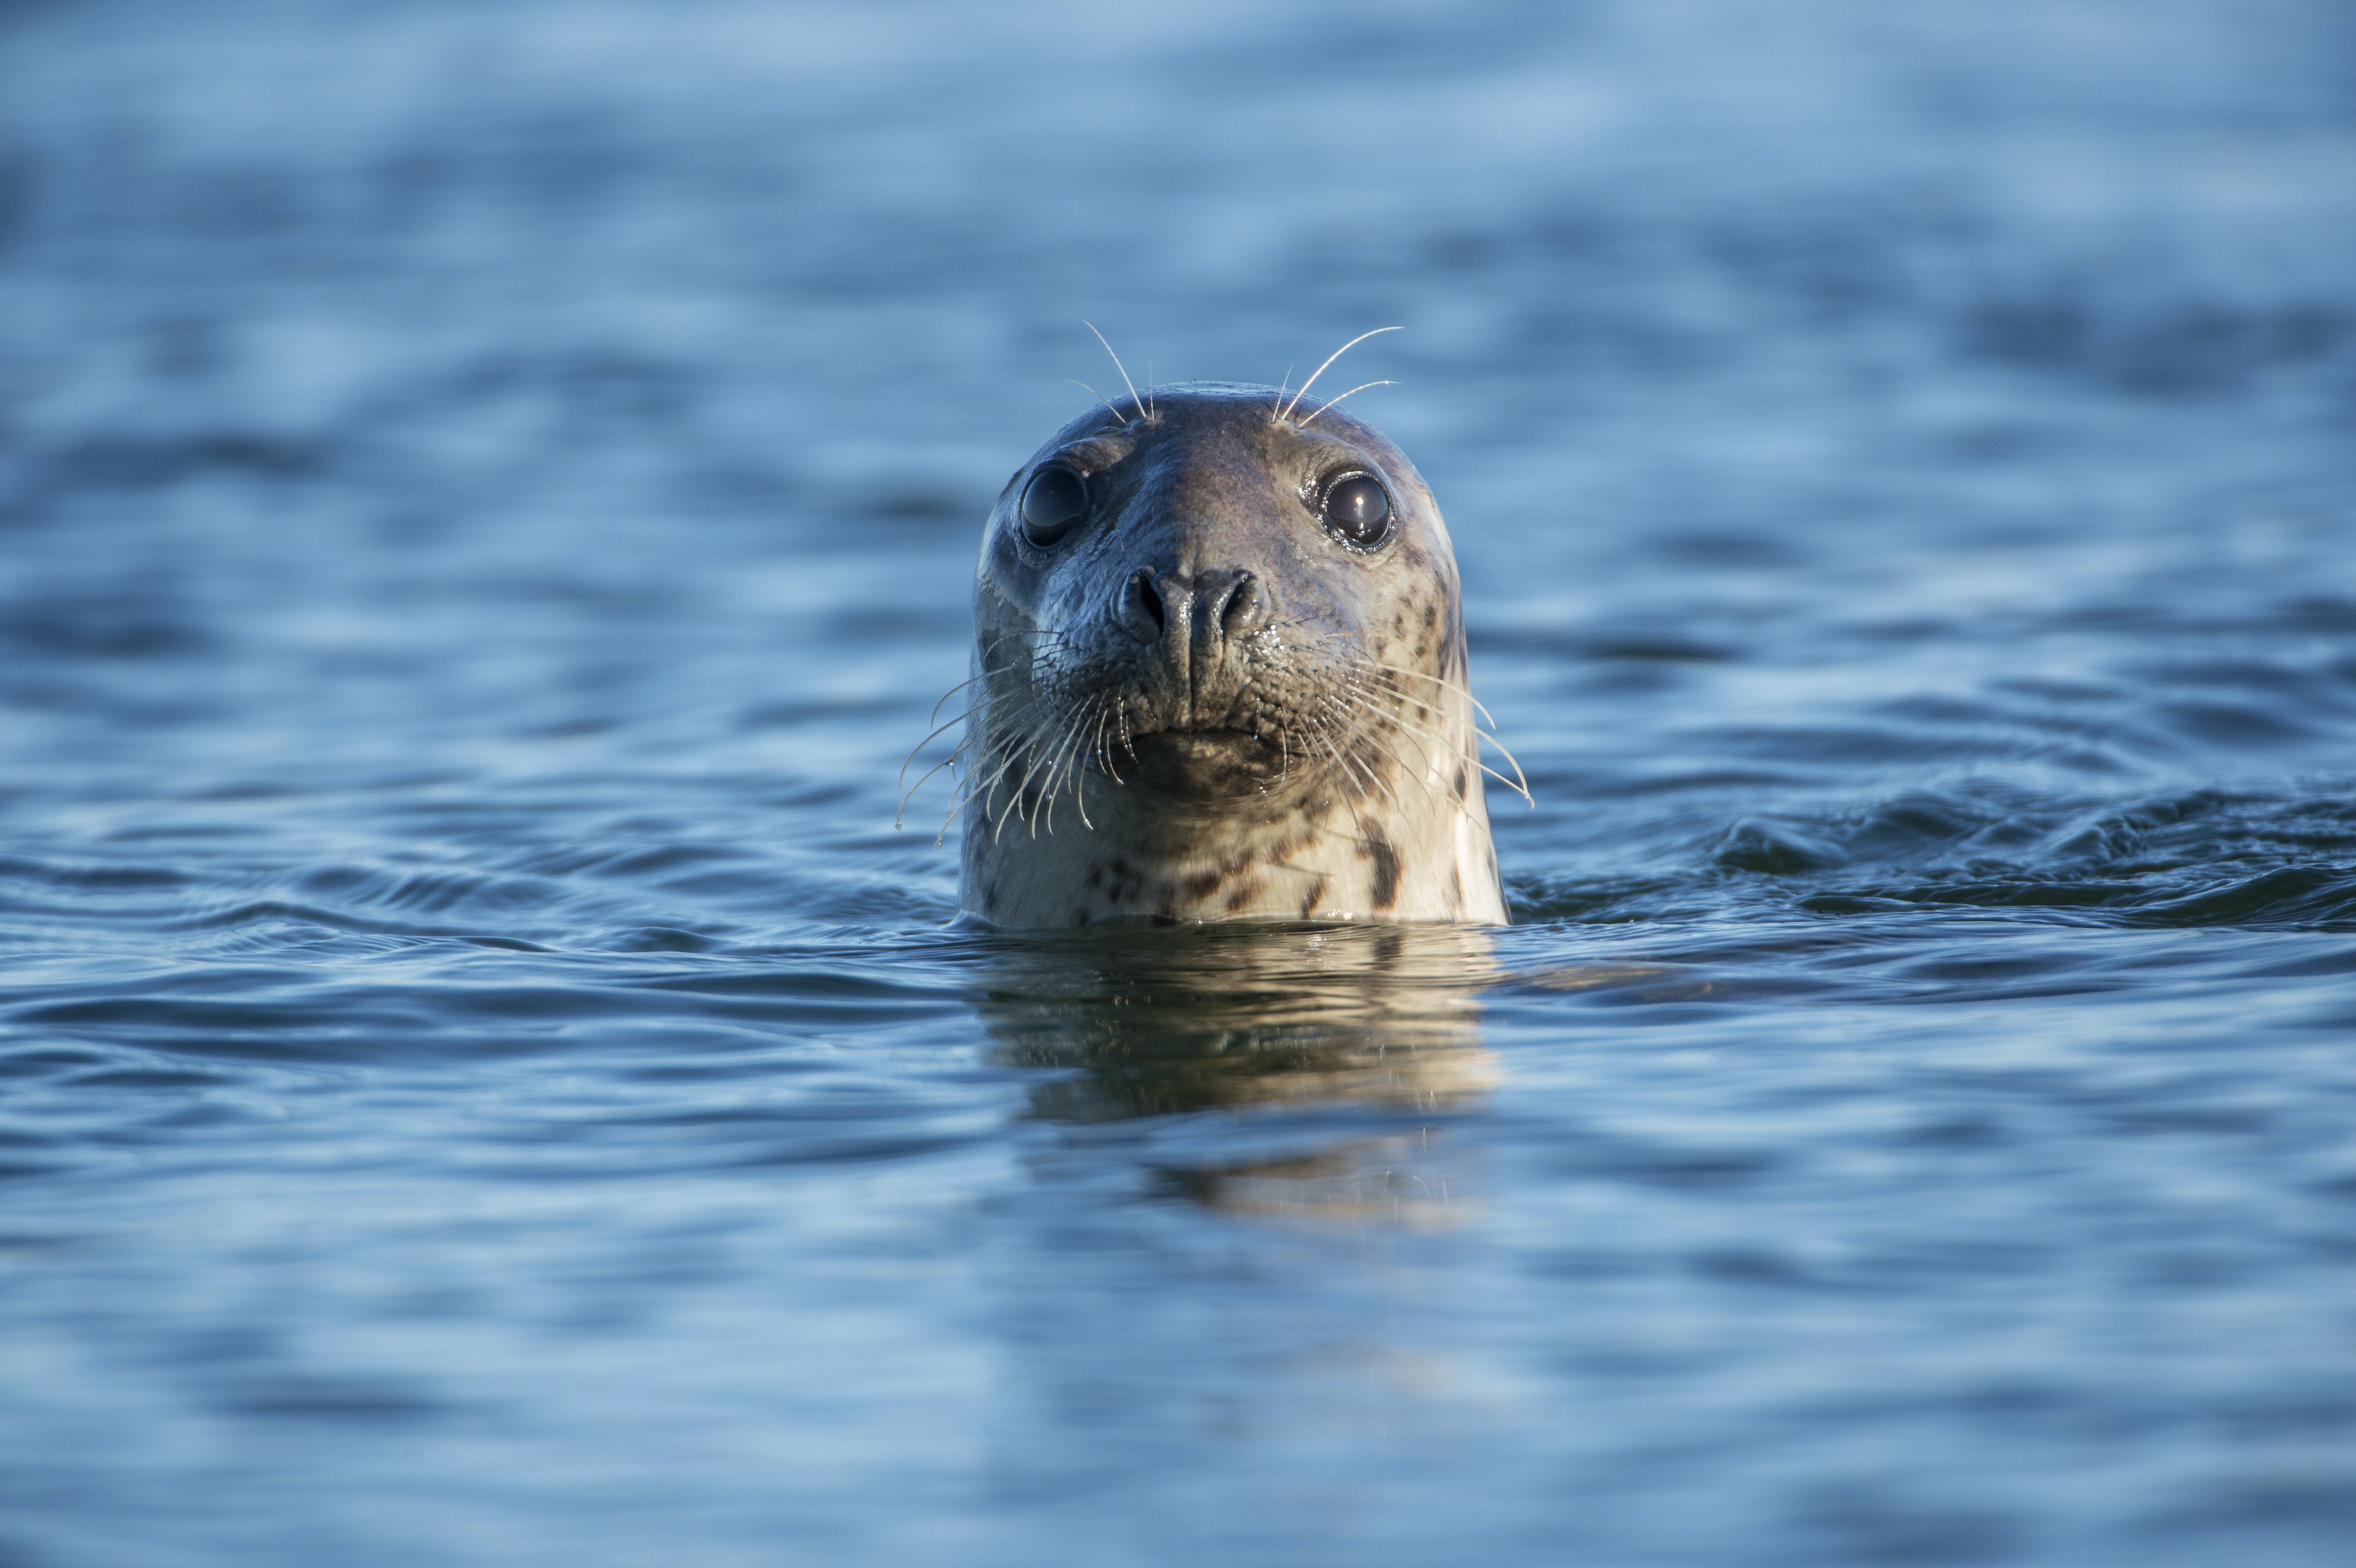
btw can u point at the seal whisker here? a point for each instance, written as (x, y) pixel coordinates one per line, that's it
(927, 778)
(1350, 758)
(982, 793)
(1519, 784)
(1001, 736)
(927, 742)
(975, 730)
(1032, 761)
(1117, 364)
(1329, 360)
(1436, 726)
(1097, 395)
(1331, 402)
(899, 813)
(962, 791)
(1060, 765)
(1420, 731)
(1320, 734)
(1440, 681)
(1007, 746)
(1366, 838)
(1437, 717)
(1042, 800)
(1104, 752)
(968, 793)
(952, 692)
(1014, 795)
(1009, 738)
(1080, 774)
(901, 810)
(1102, 707)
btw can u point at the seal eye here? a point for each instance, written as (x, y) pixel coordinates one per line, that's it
(1357, 510)
(1053, 505)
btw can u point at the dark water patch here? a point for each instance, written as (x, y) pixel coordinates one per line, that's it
(2325, 963)
(107, 628)
(2318, 901)
(129, 463)
(267, 1031)
(2232, 725)
(664, 939)
(1652, 645)
(1558, 785)
(330, 1398)
(1732, 550)
(91, 876)
(2188, 349)
(1826, 748)
(2312, 899)
(788, 715)
(941, 508)
(148, 1078)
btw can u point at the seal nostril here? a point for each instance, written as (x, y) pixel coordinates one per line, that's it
(1145, 597)
(1237, 615)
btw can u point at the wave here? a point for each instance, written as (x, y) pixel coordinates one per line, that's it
(2200, 857)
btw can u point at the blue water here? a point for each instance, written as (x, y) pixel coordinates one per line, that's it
(488, 498)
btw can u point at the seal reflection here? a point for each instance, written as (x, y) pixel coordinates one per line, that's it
(1299, 1073)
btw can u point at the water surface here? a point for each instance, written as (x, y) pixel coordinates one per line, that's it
(488, 498)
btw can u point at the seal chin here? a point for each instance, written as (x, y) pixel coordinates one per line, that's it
(1201, 764)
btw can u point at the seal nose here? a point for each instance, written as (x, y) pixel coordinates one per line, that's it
(1193, 613)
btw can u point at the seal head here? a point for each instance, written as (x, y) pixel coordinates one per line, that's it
(1219, 674)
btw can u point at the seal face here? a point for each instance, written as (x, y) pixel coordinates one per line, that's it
(1219, 674)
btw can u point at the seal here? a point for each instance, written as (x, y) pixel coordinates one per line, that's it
(1219, 674)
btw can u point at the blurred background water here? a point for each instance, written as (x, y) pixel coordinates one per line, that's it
(487, 497)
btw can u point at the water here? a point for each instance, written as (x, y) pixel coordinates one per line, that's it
(489, 496)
